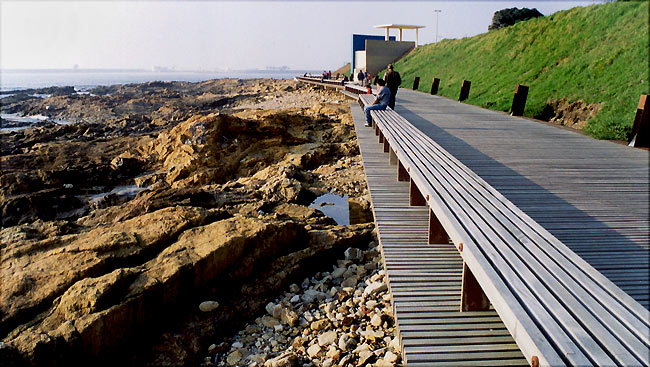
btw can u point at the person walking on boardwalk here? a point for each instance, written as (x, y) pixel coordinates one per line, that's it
(393, 81)
(360, 77)
(380, 102)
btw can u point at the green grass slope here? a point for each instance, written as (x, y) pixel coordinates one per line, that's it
(598, 54)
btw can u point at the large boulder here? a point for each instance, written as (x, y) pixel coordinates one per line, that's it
(96, 315)
(34, 273)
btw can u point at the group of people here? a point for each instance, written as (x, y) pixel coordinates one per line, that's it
(387, 90)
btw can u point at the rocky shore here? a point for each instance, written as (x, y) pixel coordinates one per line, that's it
(337, 318)
(160, 197)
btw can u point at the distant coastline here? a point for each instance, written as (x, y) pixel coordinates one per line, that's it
(83, 79)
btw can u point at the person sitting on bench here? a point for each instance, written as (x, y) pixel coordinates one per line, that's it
(380, 102)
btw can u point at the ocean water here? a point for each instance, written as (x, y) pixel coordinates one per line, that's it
(86, 79)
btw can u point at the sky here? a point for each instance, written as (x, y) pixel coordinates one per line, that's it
(222, 35)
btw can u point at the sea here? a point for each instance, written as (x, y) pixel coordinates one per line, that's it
(84, 80)
(87, 79)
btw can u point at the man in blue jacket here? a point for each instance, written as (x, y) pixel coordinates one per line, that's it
(380, 102)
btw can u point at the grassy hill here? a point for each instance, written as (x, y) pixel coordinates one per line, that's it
(598, 54)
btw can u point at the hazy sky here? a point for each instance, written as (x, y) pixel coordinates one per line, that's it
(208, 35)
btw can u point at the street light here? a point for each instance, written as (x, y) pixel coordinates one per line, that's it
(437, 14)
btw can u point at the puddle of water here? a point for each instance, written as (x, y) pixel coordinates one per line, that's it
(39, 95)
(26, 119)
(129, 191)
(333, 206)
(342, 210)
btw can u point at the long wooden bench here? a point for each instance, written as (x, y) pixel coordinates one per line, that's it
(558, 308)
(320, 80)
(356, 89)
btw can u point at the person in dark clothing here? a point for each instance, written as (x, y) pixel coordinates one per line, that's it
(380, 102)
(360, 77)
(393, 81)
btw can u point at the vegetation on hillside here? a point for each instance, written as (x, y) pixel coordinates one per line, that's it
(598, 54)
(507, 17)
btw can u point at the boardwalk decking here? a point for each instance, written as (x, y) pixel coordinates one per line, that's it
(592, 195)
(425, 280)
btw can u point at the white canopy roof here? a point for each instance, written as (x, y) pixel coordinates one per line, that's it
(400, 27)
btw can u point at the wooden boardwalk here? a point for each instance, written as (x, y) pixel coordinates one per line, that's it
(592, 195)
(425, 280)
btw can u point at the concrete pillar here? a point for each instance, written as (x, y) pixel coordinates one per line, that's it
(386, 37)
(416, 37)
(400, 35)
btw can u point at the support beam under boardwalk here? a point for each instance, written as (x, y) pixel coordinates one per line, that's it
(424, 274)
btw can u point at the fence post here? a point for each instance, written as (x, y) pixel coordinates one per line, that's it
(519, 100)
(640, 136)
(464, 90)
(434, 86)
(416, 83)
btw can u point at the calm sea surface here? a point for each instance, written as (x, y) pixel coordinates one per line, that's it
(84, 79)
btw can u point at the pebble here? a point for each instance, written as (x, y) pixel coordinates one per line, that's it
(327, 338)
(349, 282)
(234, 357)
(208, 306)
(374, 288)
(390, 357)
(313, 350)
(376, 320)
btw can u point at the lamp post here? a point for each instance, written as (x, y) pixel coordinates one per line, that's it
(437, 11)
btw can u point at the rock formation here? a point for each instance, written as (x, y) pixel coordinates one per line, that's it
(117, 227)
